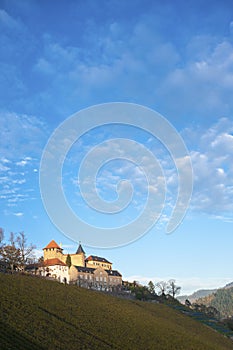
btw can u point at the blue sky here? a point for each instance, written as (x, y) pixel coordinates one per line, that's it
(176, 58)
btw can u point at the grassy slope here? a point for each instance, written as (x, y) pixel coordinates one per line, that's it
(40, 314)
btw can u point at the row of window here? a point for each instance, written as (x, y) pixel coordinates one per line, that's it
(61, 268)
(101, 279)
(100, 264)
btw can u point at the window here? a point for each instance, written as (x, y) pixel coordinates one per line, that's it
(97, 278)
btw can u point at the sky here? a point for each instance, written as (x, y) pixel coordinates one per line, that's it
(175, 58)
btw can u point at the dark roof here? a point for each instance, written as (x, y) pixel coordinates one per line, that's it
(85, 269)
(32, 266)
(113, 273)
(97, 258)
(92, 270)
(80, 249)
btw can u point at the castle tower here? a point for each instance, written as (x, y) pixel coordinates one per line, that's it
(78, 259)
(53, 250)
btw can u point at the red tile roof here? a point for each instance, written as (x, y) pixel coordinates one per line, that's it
(55, 261)
(52, 244)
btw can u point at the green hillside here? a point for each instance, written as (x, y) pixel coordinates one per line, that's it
(40, 314)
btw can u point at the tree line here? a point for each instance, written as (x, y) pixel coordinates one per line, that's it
(159, 290)
(15, 253)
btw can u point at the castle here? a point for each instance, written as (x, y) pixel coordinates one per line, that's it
(92, 272)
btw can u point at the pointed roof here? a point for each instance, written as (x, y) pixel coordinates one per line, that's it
(52, 244)
(80, 249)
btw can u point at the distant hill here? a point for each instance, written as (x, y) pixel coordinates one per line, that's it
(222, 300)
(36, 314)
(229, 285)
(196, 295)
(201, 294)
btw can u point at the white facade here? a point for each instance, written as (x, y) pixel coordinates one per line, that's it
(58, 272)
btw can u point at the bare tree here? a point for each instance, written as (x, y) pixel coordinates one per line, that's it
(17, 252)
(41, 259)
(11, 256)
(162, 286)
(2, 265)
(1, 234)
(10, 253)
(12, 239)
(173, 289)
(26, 251)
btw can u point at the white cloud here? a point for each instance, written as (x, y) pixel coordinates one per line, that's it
(19, 181)
(213, 169)
(8, 21)
(22, 136)
(5, 160)
(3, 168)
(22, 143)
(211, 151)
(44, 66)
(205, 82)
(19, 214)
(22, 163)
(17, 186)
(204, 76)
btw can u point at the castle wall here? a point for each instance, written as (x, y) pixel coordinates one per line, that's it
(77, 259)
(114, 281)
(57, 272)
(73, 274)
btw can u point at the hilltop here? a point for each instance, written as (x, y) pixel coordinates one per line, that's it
(229, 285)
(196, 295)
(202, 293)
(222, 300)
(40, 314)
